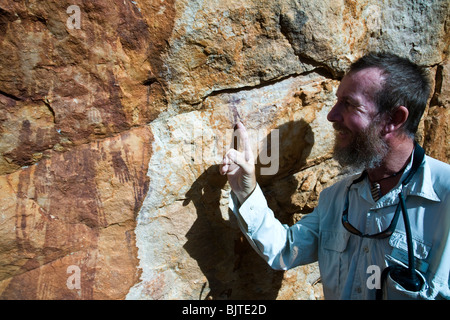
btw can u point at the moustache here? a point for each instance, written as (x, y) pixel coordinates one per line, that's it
(340, 128)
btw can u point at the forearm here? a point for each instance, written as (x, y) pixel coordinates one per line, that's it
(283, 247)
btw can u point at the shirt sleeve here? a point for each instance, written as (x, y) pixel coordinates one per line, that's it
(283, 247)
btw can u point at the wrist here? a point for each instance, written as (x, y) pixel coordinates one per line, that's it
(243, 196)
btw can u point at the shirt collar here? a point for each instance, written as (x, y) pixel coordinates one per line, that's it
(421, 185)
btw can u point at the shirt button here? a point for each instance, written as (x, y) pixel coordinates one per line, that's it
(358, 290)
(366, 250)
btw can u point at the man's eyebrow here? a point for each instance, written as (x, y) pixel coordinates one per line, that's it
(347, 98)
(350, 99)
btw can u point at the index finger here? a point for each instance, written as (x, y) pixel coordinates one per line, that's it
(242, 135)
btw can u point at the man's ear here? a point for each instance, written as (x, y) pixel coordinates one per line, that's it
(396, 120)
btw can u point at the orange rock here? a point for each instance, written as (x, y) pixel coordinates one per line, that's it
(75, 209)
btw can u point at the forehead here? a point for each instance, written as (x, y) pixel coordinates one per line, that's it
(361, 85)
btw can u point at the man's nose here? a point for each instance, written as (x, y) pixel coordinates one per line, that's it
(335, 114)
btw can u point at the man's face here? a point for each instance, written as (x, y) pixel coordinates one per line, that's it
(359, 142)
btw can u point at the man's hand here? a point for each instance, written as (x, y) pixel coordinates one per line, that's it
(240, 166)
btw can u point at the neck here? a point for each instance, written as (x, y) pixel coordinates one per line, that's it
(388, 173)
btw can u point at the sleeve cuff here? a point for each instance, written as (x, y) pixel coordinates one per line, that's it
(251, 213)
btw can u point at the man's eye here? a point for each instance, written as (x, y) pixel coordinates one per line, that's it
(350, 105)
(347, 104)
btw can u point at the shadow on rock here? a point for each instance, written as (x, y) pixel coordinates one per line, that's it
(232, 268)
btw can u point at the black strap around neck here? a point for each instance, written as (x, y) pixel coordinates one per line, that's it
(418, 157)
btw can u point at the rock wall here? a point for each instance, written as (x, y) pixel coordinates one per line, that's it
(115, 114)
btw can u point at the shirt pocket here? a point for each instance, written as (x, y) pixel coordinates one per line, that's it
(332, 261)
(394, 291)
(399, 256)
(399, 252)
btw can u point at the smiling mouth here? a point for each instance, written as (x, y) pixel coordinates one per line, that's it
(341, 131)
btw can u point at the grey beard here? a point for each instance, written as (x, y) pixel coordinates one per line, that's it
(366, 151)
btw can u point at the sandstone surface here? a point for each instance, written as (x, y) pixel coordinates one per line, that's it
(115, 114)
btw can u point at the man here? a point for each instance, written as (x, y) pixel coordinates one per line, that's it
(394, 213)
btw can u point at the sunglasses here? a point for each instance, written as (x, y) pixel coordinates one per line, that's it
(380, 235)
